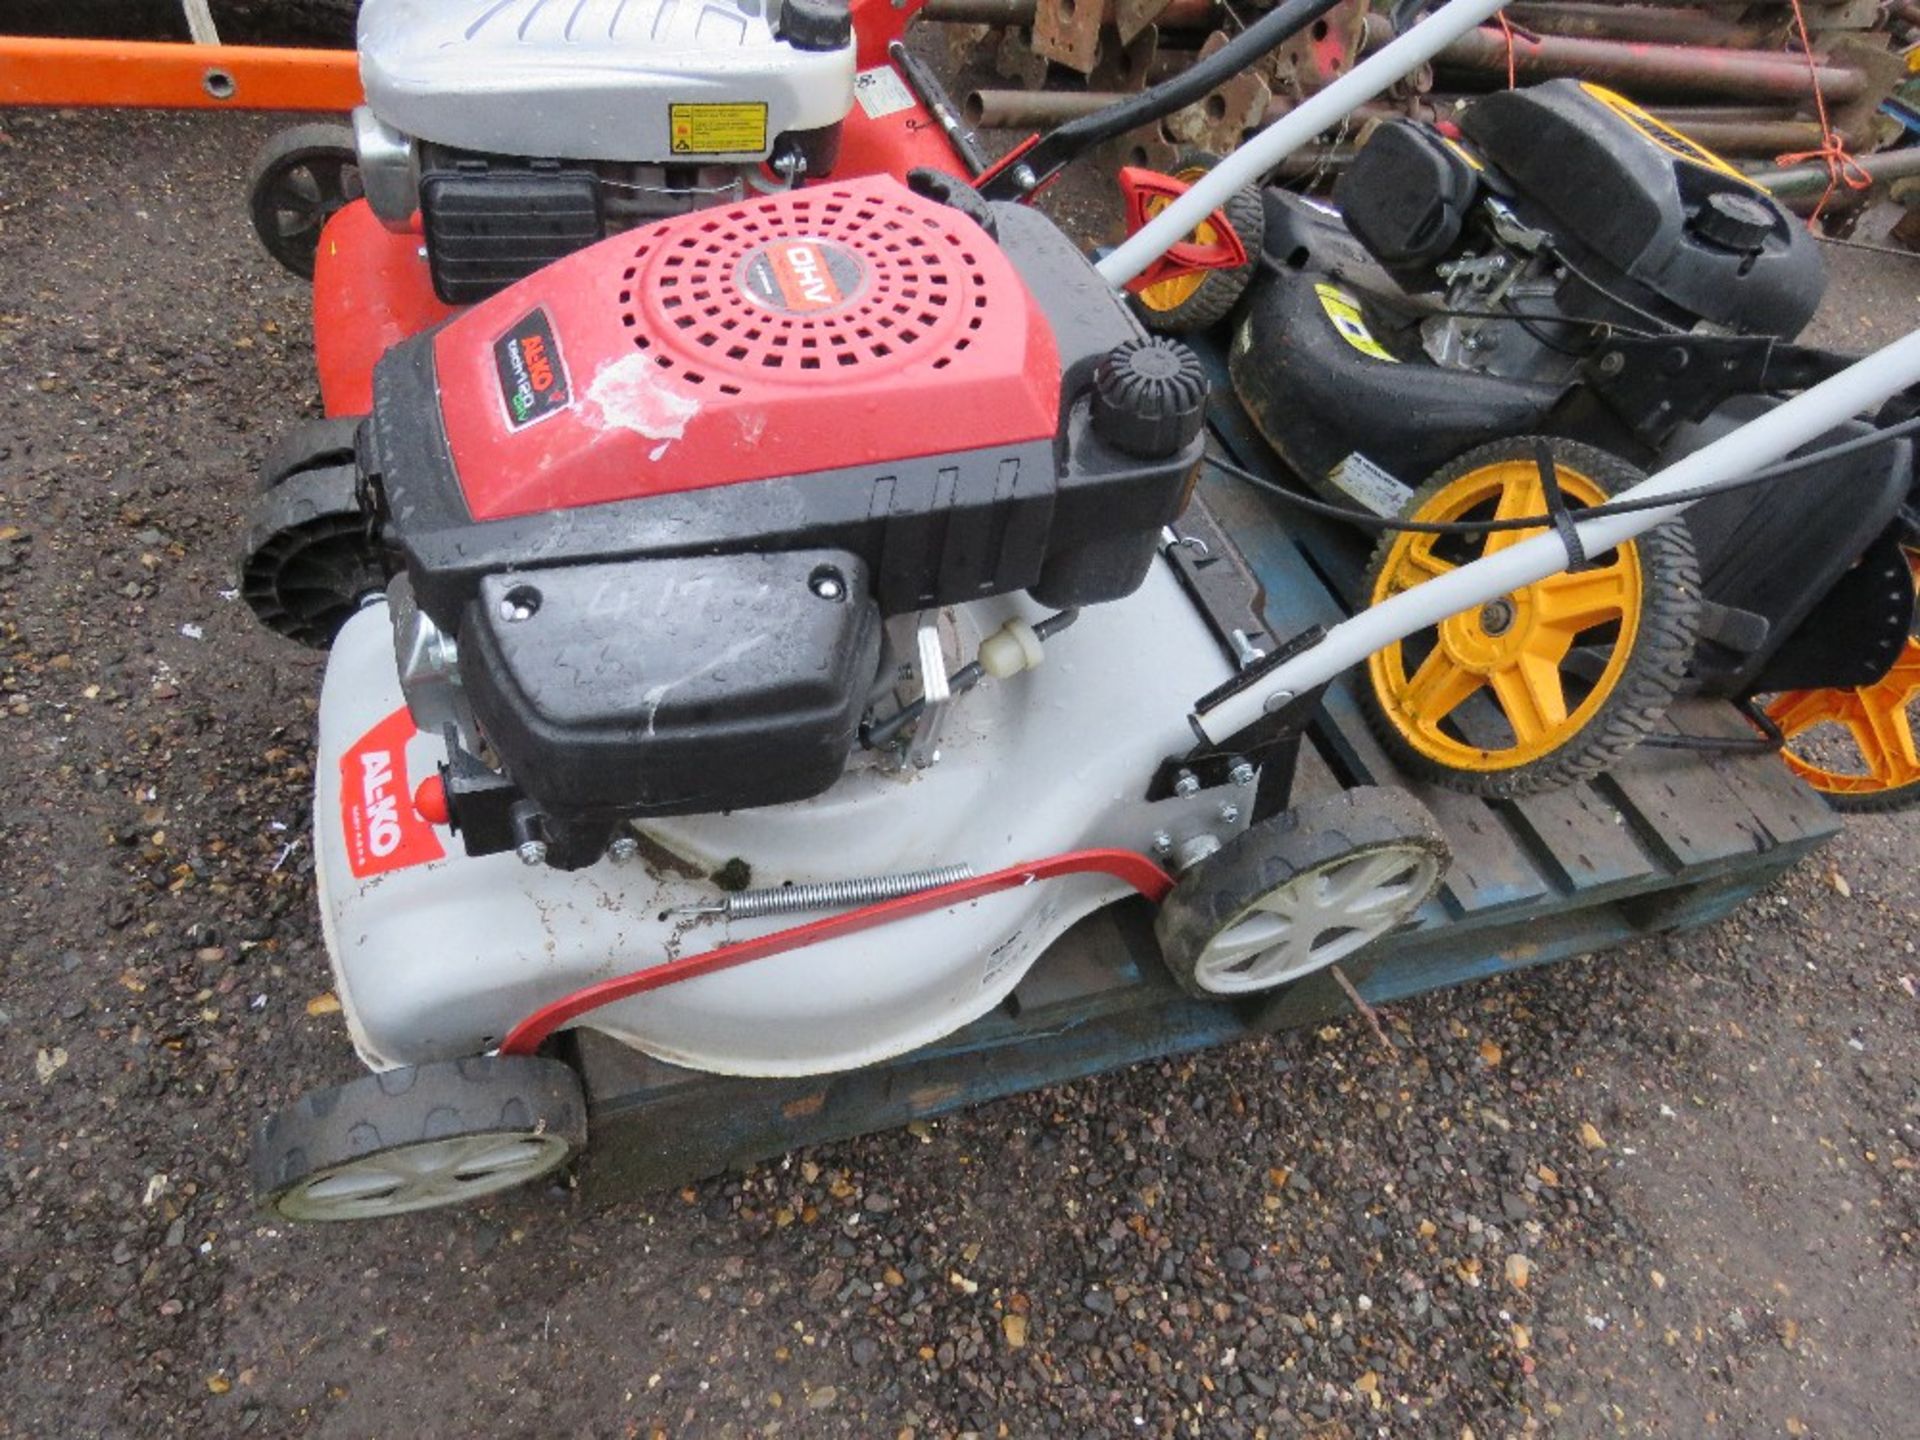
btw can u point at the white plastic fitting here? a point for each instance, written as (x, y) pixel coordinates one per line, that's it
(1010, 649)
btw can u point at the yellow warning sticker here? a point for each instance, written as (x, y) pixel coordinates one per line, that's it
(1344, 311)
(732, 129)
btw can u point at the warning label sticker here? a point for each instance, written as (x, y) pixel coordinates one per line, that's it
(1377, 489)
(383, 831)
(738, 128)
(881, 92)
(1344, 311)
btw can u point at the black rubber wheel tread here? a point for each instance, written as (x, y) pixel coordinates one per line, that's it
(310, 445)
(291, 149)
(479, 1095)
(1873, 802)
(308, 559)
(1655, 670)
(1217, 891)
(1219, 290)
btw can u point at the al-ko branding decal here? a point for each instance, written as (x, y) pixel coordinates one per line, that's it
(801, 276)
(383, 830)
(533, 378)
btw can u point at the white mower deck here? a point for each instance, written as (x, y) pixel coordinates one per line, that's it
(1668, 840)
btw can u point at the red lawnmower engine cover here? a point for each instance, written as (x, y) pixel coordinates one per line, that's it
(815, 332)
(664, 491)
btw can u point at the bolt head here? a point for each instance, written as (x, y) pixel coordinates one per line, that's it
(1229, 814)
(623, 849)
(1186, 784)
(1163, 843)
(828, 587)
(1241, 774)
(532, 852)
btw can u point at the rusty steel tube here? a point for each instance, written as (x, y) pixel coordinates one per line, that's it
(1024, 109)
(1668, 68)
(1662, 24)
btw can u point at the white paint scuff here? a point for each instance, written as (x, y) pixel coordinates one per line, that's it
(632, 394)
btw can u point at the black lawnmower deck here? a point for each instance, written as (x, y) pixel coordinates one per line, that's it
(1669, 839)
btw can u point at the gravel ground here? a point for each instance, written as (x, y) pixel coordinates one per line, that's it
(1668, 1190)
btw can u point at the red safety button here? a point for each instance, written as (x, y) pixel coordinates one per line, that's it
(430, 801)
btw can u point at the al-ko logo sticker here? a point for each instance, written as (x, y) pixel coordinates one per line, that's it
(533, 379)
(383, 831)
(801, 276)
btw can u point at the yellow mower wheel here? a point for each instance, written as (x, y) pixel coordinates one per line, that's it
(1874, 725)
(1182, 304)
(1548, 684)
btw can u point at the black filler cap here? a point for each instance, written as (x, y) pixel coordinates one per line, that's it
(1149, 397)
(1739, 222)
(816, 24)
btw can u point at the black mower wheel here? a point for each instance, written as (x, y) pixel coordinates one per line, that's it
(1306, 889)
(300, 178)
(418, 1137)
(1555, 681)
(310, 557)
(310, 445)
(1188, 303)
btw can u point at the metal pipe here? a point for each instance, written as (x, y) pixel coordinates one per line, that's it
(1745, 74)
(1025, 109)
(1863, 386)
(1666, 25)
(1812, 179)
(1319, 112)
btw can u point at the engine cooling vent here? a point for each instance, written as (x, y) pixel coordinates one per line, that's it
(849, 281)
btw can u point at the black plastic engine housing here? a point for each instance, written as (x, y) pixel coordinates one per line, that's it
(672, 687)
(1645, 210)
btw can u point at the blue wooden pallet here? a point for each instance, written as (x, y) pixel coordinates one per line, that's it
(1668, 839)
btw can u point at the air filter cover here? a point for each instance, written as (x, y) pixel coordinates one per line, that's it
(824, 329)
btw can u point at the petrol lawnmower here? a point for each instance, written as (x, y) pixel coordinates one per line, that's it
(1562, 295)
(827, 551)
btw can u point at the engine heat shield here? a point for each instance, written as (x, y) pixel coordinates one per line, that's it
(834, 325)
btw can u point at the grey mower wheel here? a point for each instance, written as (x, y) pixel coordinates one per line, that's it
(1303, 890)
(417, 1137)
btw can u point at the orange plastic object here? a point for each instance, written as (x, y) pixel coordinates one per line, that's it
(160, 75)
(371, 290)
(1212, 246)
(1881, 721)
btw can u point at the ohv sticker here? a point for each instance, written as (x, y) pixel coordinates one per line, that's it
(383, 831)
(801, 276)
